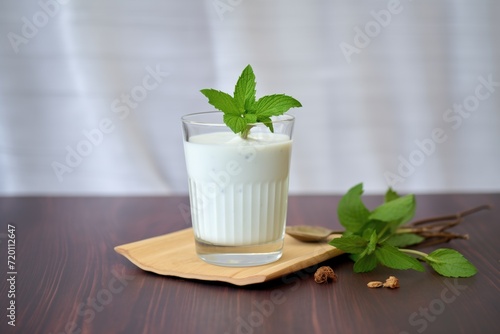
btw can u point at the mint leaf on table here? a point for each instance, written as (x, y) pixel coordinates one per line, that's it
(450, 263)
(365, 263)
(393, 258)
(404, 239)
(390, 195)
(243, 110)
(352, 244)
(351, 211)
(372, 241)
(376, 236)
(400, 210)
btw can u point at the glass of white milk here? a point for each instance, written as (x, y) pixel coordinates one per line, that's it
(238, 188)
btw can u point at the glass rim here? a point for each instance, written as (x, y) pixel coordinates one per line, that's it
(186, 119)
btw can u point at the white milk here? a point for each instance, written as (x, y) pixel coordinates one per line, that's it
(238, 188)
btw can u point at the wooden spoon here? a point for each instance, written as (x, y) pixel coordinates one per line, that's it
(308, 233)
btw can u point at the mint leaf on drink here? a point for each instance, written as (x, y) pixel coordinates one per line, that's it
(377, 236)
(235, 122)
(244, 91)
(222, 101)
(274, 105)
(243, 110)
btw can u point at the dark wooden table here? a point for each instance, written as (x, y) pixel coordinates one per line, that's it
(68, 278)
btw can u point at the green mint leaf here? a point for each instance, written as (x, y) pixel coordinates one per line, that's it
(372, 244)
(235, 122)
(400, 210)
(243, 109)
(373, 237)
(390, 195)
(373, 225)
(244, 91)
(222, 101)
(351, 210)
(450, 263)
(267, 122)
(250, 118)
(365, 263)
(275, 105)
(404, 239)
(353, 244)
(393, 258)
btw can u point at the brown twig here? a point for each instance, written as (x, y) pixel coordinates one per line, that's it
(446, 235)
(436, 233)
(450, 217)
(431, 242)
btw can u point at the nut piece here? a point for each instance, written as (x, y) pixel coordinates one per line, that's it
(392, 282)
(375, 284)
(323, 274)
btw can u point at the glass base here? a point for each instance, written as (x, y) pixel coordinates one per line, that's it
(239, 256)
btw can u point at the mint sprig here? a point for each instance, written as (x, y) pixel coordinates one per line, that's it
(447, 262)
(243, 109)
(378, 236)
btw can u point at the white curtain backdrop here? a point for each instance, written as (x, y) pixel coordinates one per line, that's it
(402, 93)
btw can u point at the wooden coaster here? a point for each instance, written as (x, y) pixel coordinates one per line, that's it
(174, 254)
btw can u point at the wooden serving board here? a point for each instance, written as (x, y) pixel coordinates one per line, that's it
(174, 254)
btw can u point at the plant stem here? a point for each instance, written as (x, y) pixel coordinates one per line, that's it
(433, 233)
(386, 227)
(246, 132)
(450, 217)
(403, 230)
(437, 230)
(414, 252)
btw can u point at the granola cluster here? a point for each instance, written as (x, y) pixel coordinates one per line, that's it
(324, 274)
(392, 283)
